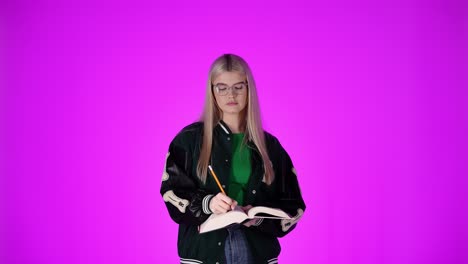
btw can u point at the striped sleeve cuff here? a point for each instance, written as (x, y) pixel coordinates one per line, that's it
(259, 221)
(206, 204)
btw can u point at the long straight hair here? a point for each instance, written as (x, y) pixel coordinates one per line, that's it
(251, 119)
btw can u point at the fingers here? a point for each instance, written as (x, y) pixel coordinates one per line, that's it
(246, 208)
(234, 204)
(250, 222)
(224, 198)
(221, 207)
(221, 203)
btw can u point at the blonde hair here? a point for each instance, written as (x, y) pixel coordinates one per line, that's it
(251, 119)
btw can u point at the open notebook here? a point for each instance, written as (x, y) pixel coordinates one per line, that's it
(217, 221)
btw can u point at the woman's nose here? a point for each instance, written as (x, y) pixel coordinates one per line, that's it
(231, 92)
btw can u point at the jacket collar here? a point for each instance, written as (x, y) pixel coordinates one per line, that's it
(224, 127)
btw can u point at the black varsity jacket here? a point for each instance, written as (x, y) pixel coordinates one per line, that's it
(187, 198)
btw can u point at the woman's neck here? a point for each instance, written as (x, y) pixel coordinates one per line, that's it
(234, 123)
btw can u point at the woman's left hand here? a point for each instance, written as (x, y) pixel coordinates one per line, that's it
(246, 210)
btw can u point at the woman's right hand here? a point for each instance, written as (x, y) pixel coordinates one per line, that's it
(221, 203)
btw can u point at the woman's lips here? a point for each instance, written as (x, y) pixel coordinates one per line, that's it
(232, 103)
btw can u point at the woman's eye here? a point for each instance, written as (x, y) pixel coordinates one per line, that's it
(222, 88)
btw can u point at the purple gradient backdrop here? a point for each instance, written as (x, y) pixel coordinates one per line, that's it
(369, 99)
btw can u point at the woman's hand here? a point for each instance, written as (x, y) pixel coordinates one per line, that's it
(246, 210)
(221, 203)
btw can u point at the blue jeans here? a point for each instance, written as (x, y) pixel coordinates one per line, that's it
(236, 247)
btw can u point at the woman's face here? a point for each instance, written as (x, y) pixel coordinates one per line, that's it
(234, 85)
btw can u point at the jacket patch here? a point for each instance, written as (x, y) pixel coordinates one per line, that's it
(294, 171)
(288, 223)
(165, 175)
(178, 202)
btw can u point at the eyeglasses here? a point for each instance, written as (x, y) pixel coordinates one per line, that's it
(238, 88)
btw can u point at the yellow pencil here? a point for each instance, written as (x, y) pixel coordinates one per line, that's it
(216, 179)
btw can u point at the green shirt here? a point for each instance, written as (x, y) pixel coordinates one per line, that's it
(240, 169)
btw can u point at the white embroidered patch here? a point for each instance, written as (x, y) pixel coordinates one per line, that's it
(178, 202)
(288, 223)
(165, 175)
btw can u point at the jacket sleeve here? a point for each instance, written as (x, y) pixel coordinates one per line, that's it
(289, 198)
(186, 202)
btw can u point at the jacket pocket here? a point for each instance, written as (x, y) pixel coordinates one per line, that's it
(201, 247)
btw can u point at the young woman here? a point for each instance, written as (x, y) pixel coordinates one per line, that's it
(250, 163)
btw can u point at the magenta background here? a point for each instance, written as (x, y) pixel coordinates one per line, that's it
(369, 99)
